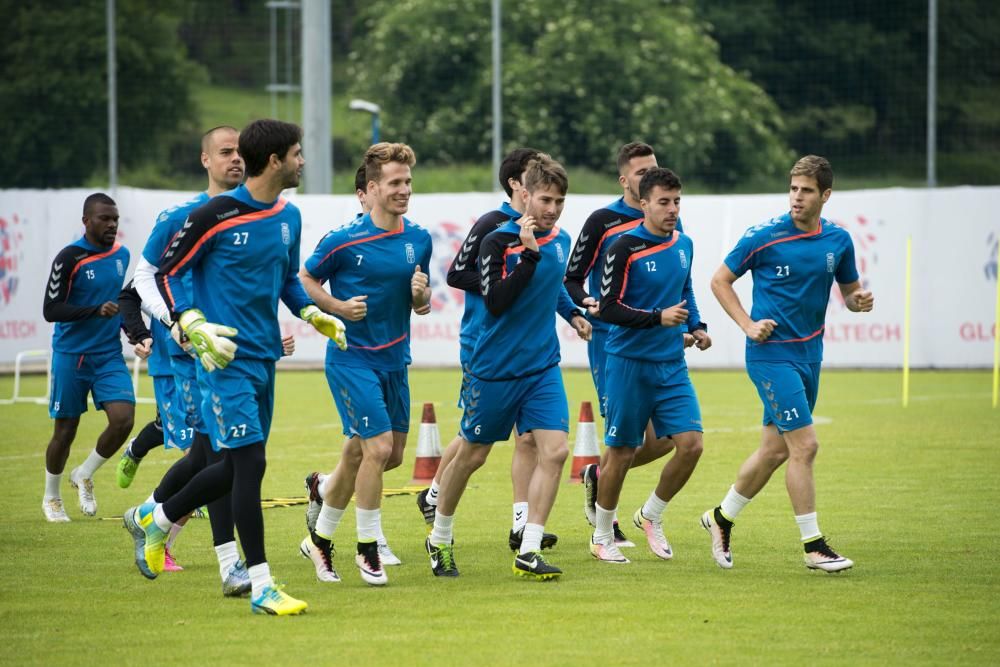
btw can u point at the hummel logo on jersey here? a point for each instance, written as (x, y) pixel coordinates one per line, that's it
(222, 216)
(359, 234)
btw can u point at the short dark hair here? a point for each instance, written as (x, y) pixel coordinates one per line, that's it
(94, 199)
(513, 166)
(360, 182)
(543, 171)
(263, 138)
(658, 176)
(207, 137)
(816, 167)
(631, 150)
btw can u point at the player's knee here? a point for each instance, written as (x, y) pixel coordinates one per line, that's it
(775, 457)
(395, 459)
(805, 450)
(378, 450)
(555, 456)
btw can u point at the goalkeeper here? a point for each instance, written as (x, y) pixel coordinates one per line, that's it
(242, 252)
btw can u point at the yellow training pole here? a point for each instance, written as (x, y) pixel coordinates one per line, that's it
(996, 338)
(906, 323)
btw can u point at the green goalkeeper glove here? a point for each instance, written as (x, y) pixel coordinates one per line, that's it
(210, 341)
(328, 325)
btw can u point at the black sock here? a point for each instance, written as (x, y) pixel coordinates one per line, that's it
(183, 470)
(249, 464)
(206, 486)
(149, 437)
(220, 511)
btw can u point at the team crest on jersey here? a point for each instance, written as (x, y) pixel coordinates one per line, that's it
(120, 267)
(286, 233)
(684, 259)
(829, 262)
(560, 255)
(411, 254)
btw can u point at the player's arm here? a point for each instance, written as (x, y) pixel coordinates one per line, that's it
(144, 282)
(696, 329)
(722, 288)
(499, 291)
(420, 285)
(582, 260)
(130, 307)
(463, 273)
(55, 307)
(856, 298)
(296, 297)
(614, 310)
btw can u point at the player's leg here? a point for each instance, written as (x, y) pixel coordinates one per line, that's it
(56, 454)
(427, 499)
(469, 457)
(396, 391)
(71, 380)
(150, 437)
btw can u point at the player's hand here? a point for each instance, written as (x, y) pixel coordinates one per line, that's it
(701, 339)
(688, 340)
(177, 333)
(527, 233)
(210, 341)
(422, 310)
(328, 325)
(418, 288)
(355, 308)
(108, 309)
(288, 346)
(582, 326)
(144, 348)
(860, 301)
(761, 330)
(593, 307)
(674, 315)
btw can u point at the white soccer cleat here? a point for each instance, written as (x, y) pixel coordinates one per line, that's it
(588, 475)
(657, 541)
(819, 556)
(54, 510)
(370, 565)
(720, 539)
(322, 557)
(85, 490)
(608, 553)
(386, 556)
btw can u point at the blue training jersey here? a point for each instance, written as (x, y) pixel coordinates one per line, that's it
(522, 290)
(363, 259)
(83, 277)
(648, 274)
(464, 275)
(168, 223)
(793, 272)
(599, 232)
(242, 255)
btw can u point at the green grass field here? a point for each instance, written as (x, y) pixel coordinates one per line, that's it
(910, 495)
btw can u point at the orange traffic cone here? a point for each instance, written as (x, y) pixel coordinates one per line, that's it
(428, 448)
(585, 450)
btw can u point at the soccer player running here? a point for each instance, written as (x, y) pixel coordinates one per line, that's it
(794, 260)
(81, 297)
(514, 374)
(649, 301)
(375, 268)
(464, 275)
(597, 235)
(242, 251)
(180, 398)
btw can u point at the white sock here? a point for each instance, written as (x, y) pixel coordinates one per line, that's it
(260, 578)
(328, 520)
(90, 466)
(52, 485)
(520, 516)
(228, 556)
(733, 504)
(432, 493)
(152, 498)
(380, 536)
(442, 531)
(161, 518)
(654, 507)
(325, 484)
(532, 540)
(367, 521)
(175, 530)
(808, 526)
(128, 448)
(604, 532)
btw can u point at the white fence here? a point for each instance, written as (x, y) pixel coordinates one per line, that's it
(955, 233)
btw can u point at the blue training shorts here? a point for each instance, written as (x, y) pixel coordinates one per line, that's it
(788, 390)
(239, 402)
(492, 407)
(74, 375)
(175, 434)
(598, 362)
(640, 391)
(369, 401)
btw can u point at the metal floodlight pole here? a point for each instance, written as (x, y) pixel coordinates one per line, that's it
(112, 99)
(368, 107)
(497, 120)
(932, 93)
(316, 91)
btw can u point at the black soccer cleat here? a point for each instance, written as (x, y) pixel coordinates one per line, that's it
(428, 510)
(534, 566)
(442, 559)
(514, 540)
